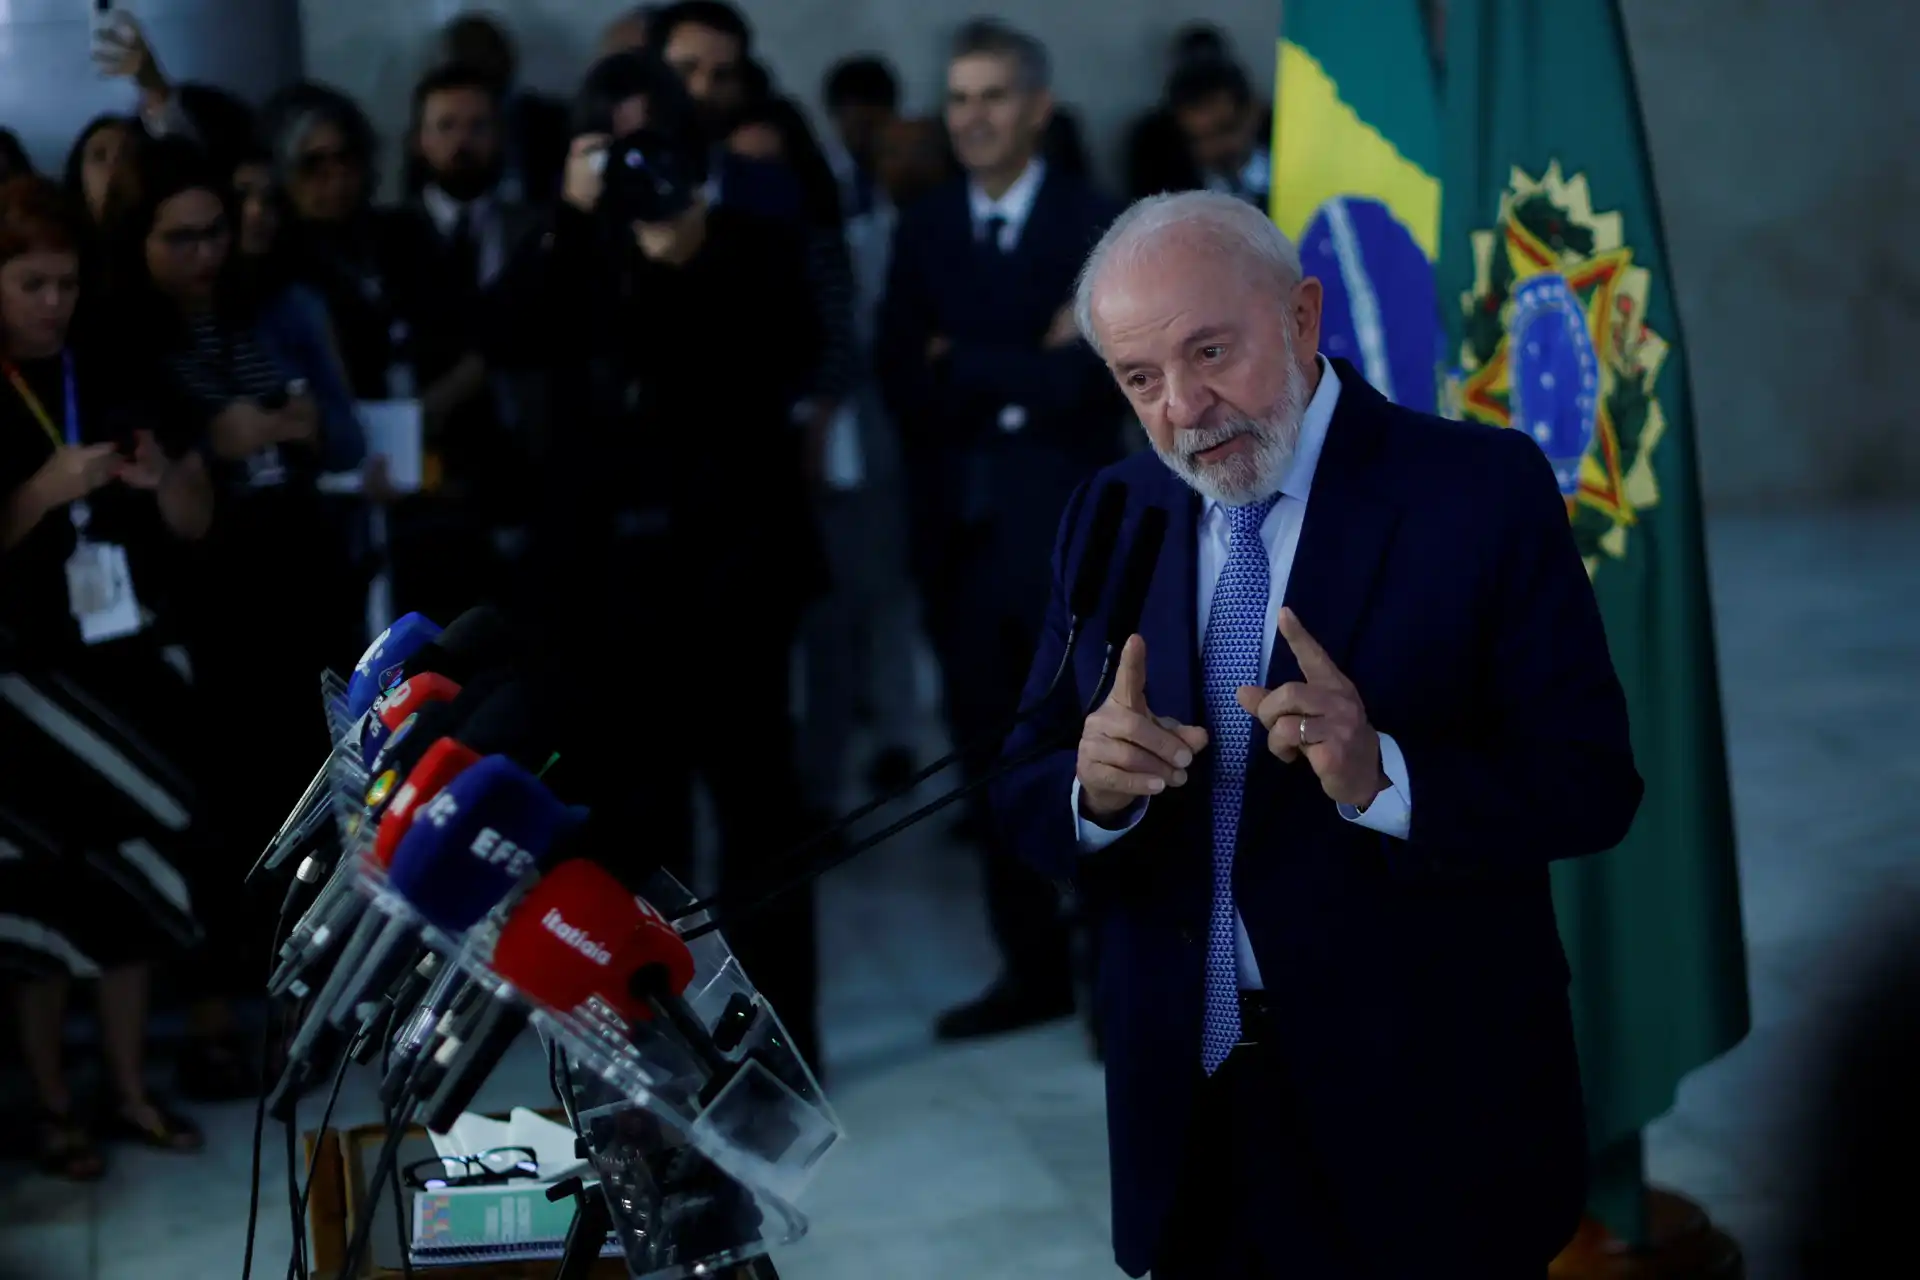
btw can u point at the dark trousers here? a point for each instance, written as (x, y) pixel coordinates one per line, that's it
(1253, 1201)
(985, 642)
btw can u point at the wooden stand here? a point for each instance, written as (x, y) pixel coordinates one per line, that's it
(1686, 1246)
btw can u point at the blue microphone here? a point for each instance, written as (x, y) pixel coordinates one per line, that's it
(382, 665)
(468, 848)
(474, 841)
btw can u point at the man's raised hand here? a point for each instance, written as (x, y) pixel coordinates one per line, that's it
(1321, 717)
(1126, 752)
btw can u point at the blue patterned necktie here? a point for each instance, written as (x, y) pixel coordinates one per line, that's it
(1230, 657)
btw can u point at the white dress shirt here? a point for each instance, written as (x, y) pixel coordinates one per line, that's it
(1391, 812)
(1013, 206)
(488, 234)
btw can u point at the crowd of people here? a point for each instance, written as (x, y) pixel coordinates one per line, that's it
(833, 398)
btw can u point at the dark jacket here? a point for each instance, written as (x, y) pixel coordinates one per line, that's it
(1418, 986)
(969, 465)
(672, 391)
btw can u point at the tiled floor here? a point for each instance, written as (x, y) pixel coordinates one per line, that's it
(990, 1160)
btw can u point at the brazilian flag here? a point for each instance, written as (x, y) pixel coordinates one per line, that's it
(1356, 182)
(1562, 324)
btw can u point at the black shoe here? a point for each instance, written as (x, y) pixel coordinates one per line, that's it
(1005, 1007)
(892, 769)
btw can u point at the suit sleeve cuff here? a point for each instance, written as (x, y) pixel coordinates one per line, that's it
(1391, 813)
(1093, 837)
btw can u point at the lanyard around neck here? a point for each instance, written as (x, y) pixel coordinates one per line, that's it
(38, 410)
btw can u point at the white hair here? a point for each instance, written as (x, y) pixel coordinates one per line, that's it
(1226, 223)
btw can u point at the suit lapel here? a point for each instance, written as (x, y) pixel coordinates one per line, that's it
(1348, 526)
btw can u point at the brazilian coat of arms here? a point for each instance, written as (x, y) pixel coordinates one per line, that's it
(1555, 343)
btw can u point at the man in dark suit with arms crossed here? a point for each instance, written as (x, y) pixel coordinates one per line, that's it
(1003, 410)
(1316, 838)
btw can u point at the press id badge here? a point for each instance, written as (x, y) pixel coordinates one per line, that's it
(100, 592)
(265, 470)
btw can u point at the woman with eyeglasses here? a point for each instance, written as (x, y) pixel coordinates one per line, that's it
(93, 804)
(262, 603)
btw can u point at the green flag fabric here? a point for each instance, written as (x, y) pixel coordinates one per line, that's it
(1562, 324)
(1356, 182)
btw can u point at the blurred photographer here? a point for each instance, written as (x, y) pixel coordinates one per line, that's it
(674, 540)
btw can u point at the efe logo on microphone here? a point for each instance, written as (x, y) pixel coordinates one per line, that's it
(491, 846)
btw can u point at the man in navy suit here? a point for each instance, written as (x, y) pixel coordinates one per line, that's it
(1003, 411)
(1316, 838)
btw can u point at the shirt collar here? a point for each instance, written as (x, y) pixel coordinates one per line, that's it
(1313, 437)
(445, 210)
(1015, 203)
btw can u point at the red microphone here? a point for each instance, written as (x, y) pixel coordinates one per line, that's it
(580, 935)
(444, 761)
(409, 697)
(578, 941)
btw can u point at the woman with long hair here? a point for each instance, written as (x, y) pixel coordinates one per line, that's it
(93, 804)
(94, 157)
(261, 604)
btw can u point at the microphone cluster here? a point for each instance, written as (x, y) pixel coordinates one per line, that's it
(464, 901)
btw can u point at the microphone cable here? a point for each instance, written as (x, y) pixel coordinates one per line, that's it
(297, 1261)
(401, 1118)
(1096, 560)
(280, 930)
(303, 1195)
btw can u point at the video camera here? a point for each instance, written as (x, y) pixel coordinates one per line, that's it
(650, 177)
(654, 168)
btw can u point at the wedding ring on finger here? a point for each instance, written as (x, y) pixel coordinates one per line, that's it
(1303, 732)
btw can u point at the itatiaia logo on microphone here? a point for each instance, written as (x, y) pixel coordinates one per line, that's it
(576, 938)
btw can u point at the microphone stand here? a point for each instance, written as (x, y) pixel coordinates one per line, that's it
(592, 1224)
(761, 902)
(845, 821)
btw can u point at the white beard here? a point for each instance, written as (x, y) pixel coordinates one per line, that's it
(1252, 475)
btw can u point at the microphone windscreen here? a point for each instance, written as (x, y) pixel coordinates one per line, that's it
(519, 721)
(657, 946)
(473, 842)
(436, 720)
(381, 665)
(1096, 557)
(1136, 576)
(398, 706)
(444, 761)
(569, 940)
(405, 747)
(476, 641)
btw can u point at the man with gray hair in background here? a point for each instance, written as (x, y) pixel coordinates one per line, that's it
(1314, 839)
(1002, 410)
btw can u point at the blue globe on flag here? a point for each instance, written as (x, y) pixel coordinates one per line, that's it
(1380, 311)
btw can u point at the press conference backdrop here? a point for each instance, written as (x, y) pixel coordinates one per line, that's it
(49, 88)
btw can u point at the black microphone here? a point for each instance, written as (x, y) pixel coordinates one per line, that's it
(1089, 584)
(1103, 538)
(478, 640)
(1130, 598)
(1130, 602)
